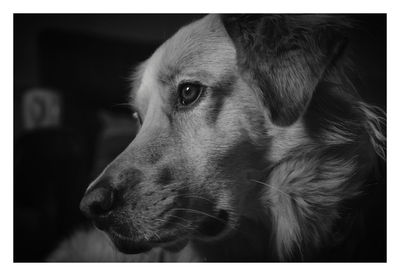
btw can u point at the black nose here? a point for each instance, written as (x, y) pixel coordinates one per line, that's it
(97, 201)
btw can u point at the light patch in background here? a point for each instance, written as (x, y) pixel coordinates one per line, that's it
(41, 108)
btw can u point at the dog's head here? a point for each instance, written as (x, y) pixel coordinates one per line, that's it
(214, 101)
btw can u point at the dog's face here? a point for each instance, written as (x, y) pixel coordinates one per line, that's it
(220, 102)
(186, 174)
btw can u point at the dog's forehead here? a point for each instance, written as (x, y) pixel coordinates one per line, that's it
(201, 48)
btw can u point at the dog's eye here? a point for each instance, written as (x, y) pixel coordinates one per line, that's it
(189, 93)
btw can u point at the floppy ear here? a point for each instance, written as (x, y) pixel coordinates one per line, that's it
(286, 56)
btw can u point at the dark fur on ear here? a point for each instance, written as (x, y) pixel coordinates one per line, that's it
(286, 56)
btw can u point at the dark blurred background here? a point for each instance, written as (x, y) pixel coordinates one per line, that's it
(71, 83)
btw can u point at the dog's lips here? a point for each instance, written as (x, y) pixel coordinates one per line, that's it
(100, 224)
(127, 245)
(130, 245)
(209, 228)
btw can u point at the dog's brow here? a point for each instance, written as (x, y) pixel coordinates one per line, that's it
(172, 75)
(168, 75)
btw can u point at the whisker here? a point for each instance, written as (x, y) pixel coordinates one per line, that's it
(165, 221)
(186, 220)
(196, 196)
(199, 212)
(233, 227)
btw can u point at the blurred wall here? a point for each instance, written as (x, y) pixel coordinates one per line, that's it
(133, 29)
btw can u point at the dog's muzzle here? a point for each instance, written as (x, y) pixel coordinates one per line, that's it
(98, 204)
(103, 203)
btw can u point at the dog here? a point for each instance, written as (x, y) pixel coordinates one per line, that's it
(253, 146)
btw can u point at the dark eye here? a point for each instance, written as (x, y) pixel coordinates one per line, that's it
(189, 92)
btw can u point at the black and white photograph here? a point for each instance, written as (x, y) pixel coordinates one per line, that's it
(199, 137)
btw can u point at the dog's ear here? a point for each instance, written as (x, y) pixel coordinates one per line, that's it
(286, 56)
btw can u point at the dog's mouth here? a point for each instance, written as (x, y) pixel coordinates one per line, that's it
(210, 228)
(132, 245)
(127, 245)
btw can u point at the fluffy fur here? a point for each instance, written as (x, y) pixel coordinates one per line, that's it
(281, 149)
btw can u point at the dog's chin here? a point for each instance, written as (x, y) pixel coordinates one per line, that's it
(131, 246)
(127, 245)
(210, 229)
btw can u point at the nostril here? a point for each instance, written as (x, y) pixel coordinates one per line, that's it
(97, 202)
(103, 202)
